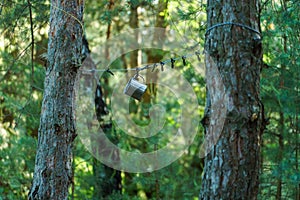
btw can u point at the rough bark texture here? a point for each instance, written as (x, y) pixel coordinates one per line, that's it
(53, 166)
(232, 164)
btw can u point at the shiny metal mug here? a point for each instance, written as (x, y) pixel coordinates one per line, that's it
(135, 89)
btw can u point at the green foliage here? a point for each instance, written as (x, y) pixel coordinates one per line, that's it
(280, 94)
(17, 154)
(21, 96)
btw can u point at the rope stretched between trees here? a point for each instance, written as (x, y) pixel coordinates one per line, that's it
(151, 66)
(232, 23)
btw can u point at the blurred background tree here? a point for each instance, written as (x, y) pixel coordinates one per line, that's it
(21, 87)
(280, 92)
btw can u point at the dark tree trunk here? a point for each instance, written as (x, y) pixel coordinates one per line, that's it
(280, 155)
(107, 179)
(153, 56)
(281, 122)
(53, 166)
(234, 52)
(134, 24)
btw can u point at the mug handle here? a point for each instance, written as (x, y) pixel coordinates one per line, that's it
(137, 75)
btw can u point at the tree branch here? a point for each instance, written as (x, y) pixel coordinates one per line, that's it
(1, 6)
(32, 41)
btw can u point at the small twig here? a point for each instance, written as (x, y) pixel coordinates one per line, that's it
(32, 41)
(263, 5)
(2, 4)
(14, 62)
(32, 65)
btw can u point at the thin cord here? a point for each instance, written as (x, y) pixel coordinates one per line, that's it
(232, 23)
(153, 66)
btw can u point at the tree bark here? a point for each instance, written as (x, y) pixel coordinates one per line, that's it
(53, 165)
(232, 164)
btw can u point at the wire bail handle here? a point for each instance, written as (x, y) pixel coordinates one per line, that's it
(137, 75)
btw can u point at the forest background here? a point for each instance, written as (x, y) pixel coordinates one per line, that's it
(23, 44)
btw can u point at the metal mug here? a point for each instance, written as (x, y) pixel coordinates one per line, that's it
(135, 89)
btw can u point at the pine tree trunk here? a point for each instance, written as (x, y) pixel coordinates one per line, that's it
(53, 165)
(232, 165)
